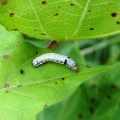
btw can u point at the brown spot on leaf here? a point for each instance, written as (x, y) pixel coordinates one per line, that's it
(22, 71)
(56, 14)
(118, 22)
(114, 86)
(63, 78)
(4, 2)
(113, 14)
(11, 14)
(89, 10)
(43, 2)
(93, 85)
(72, 4)
(91, 28)
(52, 44)
(5, 56)
(6, 87)
(42, 33)
(15, 29)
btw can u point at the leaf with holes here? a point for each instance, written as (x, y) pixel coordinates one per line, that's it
(61, 19)
(24, 90)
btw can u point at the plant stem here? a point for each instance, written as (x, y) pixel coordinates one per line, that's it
(100, 45)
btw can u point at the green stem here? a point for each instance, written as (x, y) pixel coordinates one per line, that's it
(100, 45)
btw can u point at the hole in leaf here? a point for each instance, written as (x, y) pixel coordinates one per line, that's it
(113, 14)
(11, 14)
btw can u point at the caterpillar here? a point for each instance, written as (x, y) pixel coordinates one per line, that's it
(57, 58)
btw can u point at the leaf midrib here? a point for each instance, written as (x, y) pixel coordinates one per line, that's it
(81, 19)
(38, 18)
(52, 79)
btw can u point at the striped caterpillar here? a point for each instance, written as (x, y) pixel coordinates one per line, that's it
(57, 58)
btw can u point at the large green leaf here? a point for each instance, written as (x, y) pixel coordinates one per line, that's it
(97, 99)
(61, 19)
(25, 90)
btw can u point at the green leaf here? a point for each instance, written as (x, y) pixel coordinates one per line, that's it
(37, 42)
(97, 99)
(61, 19)
(25, 90)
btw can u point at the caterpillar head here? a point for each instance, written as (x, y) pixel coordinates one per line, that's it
(71, 64)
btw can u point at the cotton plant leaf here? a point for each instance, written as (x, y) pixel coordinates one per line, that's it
(25, 90)
(97, 99)
(37, 42)
(61, 19)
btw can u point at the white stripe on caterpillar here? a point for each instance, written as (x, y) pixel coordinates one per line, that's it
(53, 57)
